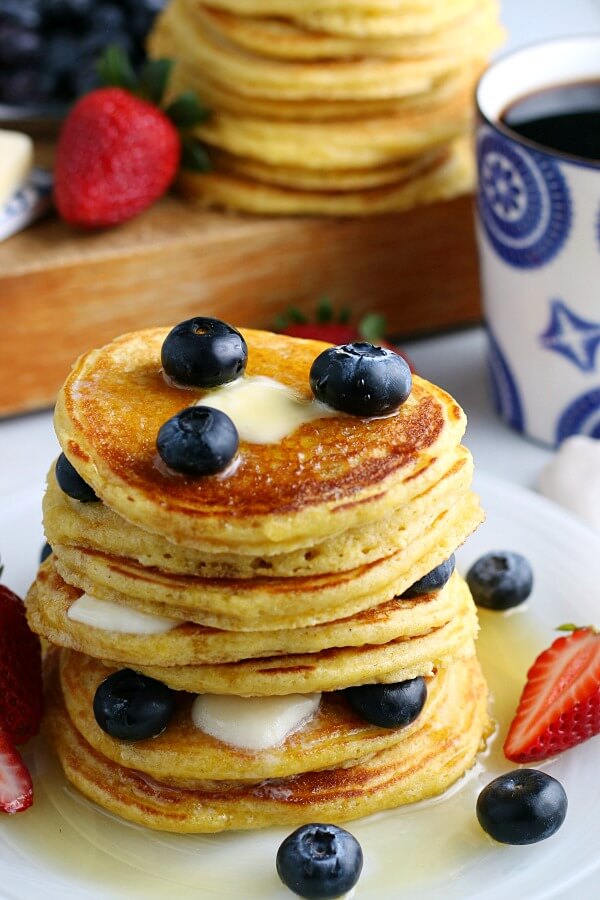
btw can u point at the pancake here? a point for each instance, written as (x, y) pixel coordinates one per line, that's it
(335, 180)
(332, 669)
(50, 599)
(254, 75)
(225, 98)
(269, 603)
(185, 756)
(95, 526)
(452, 178)
(422, 765)
(282, 38)
(115, 400)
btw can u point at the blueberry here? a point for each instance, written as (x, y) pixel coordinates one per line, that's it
(71, 482)
(22, 86)
(433, 581)
(361, 379)
(320, 861)
(18, 45)
(389, 705)
(204, 352)
(67, 12)
(500, 580)
(26, 13)
(198, 441)
(107, 18)
(132, 707)
(45, 552)
(522, 807)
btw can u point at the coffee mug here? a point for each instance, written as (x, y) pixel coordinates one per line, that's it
(538, 231)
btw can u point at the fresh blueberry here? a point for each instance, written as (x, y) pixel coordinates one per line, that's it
(71, 482)
(45, 552)
(22, 86)
(320, 861)
(500, 580)
(18, 45)
(433, 581)
(67, 12)
(26, 13)
(198, 441)
(204, 352)
(522, 807)
(107, 18)
(389, 705)
(361, 379)
(132, 707)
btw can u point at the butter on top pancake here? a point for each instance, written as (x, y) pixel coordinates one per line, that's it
(115, 400)
(186, 756)
(50, 599)
(423, 765)
(94, 526)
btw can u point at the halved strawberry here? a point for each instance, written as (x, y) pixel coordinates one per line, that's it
(21, 695)
(16, 788)
(560, 704)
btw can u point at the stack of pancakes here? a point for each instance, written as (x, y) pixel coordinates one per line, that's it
(338, 107)
(286, 574)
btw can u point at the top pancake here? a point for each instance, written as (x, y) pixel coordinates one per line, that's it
(328, 475)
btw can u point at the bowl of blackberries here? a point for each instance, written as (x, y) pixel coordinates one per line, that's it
(49, 50)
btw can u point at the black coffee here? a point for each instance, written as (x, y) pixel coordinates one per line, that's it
(564, 118)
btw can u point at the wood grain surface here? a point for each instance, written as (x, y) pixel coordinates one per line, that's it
(62, 292)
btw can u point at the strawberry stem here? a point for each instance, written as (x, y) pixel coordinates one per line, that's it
(115, 70)
(372, 327)
(570, 627)
(154, 78)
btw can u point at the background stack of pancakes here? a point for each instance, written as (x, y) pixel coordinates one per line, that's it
(342, 107)
(285, 575)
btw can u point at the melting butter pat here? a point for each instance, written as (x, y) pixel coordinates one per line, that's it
(263, 410)
(253, 723)
(16, 162)
(113, 617)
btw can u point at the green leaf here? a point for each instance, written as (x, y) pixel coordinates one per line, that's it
(296, 316)
(186, 110)
(154, 79)
(324, 310)
(115, 70)
(344, 315)
(372, 327)
(194, 156)
(570, 627)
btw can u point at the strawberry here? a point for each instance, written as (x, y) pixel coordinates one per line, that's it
(560, 704)
(118, 152)
(336, 330)
(21, 698)
(16, 788)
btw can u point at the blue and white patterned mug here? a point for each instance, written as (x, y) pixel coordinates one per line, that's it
(538, 230)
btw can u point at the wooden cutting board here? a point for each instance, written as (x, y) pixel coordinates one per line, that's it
(62, 292)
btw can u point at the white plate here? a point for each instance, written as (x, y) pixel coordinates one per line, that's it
(66, 848)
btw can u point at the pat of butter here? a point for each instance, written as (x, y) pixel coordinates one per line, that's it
(253, 723)
(572, 478)
(263, 410)
(113, 617)
(16, 162)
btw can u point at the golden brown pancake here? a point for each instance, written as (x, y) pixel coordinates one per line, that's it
(115, 400)
(50, 598)
(95, 526)
(423, 765)
(183, 755)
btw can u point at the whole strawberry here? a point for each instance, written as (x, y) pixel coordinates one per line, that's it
(118, 152)
(21, 697)
(560, 704)
(336, 329)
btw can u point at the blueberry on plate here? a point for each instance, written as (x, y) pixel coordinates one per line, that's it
(389, 705)
(204, 352)
(361, 379)
(320, 861)
(433, 581)
(522, 807)
(500, 580)
(132, 707)
(198, 441)
(71, 482)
